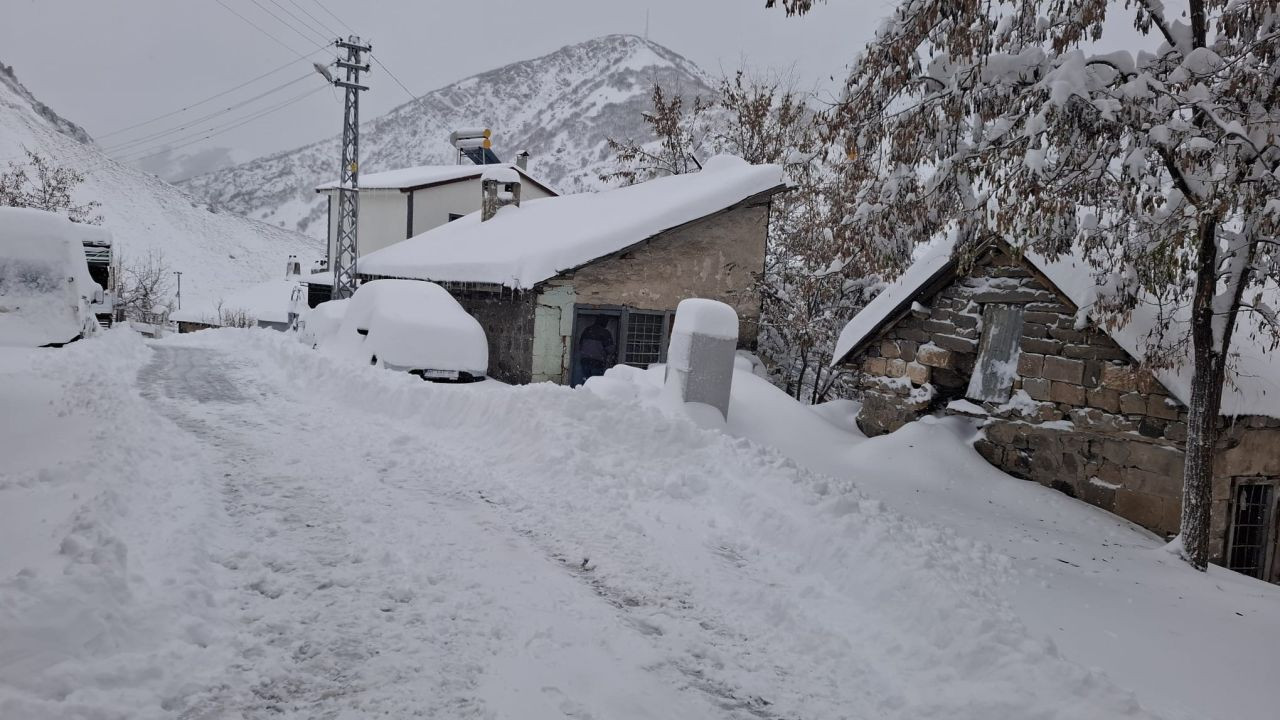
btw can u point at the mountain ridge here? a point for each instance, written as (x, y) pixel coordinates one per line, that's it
(216, 252)
(561, 106)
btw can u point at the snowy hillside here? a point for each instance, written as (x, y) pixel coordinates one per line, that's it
(216, 252)
(561, 107)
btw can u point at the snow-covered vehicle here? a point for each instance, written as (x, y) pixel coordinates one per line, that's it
(407, 325)
(47, 296)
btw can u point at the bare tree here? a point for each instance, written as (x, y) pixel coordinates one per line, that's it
(1159, 165)
(812, 280)
(235, 317)
(42, 185)
(681, 136)
(144, 291)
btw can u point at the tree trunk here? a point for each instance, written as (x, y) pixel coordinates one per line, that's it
(1208, 374)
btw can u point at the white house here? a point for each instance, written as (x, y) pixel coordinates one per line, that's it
(399, 204)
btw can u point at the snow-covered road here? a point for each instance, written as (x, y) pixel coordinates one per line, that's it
(252, 529)
(366, 581)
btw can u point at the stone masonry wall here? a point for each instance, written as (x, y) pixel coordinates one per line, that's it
(507, 320)
(1083, 419)
(716, 257)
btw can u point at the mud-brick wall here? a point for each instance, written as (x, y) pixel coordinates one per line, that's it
(507, 319)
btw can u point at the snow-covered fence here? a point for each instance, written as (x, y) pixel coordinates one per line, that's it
(700, 357)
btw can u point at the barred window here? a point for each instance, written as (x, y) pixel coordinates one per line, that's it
(644, 339)
(1251, 539)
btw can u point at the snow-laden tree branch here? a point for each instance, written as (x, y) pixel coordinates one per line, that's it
(1156, 164)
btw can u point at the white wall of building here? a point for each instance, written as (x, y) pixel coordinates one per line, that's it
(383, 220)
(432, 206)
(384, 215)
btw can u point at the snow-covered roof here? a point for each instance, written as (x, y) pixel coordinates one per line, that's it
(268, 301)
(522, 246)
(1253, 387)
(416, 177)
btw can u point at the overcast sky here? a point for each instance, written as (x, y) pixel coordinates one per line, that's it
(109, 64)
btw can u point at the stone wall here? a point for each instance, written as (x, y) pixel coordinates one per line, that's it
(507, 319)
(1083, 417)
(716, 257)
(1249, 449)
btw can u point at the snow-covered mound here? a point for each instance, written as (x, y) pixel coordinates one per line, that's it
(561, 107)
(1102, 591)
(45, 287)
(215, 252)
(407, 325)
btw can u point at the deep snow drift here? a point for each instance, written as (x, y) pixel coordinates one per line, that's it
(230, 524)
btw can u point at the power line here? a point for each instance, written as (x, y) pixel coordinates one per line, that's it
(286, 23)
(393, 76)
(220, 129)
(153, 136)
(301, 21)
(259, 28)
(335, 17)
(317, 20)
(211, 98)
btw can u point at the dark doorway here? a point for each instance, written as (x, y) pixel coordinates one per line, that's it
(596, 336)
(622, 335)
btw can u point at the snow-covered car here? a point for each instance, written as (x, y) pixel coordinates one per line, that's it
(47, 297)
(407, 325)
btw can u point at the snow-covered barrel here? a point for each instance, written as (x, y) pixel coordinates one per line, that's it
(700, 356)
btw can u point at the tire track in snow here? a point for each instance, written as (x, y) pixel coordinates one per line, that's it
(312, 547)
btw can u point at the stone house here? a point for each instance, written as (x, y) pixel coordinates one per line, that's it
(1064, 402)
(537, 274)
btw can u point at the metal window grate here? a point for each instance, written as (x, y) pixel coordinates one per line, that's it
(1250, 530)
(644, 339)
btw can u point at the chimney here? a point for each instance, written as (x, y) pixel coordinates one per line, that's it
(499, 187)
(522, 160)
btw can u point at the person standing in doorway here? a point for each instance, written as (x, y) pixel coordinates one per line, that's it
(595, 348)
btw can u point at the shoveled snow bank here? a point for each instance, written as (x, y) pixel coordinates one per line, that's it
(45, 287)
(322, 322)
(522, 246)
(409, 324)
(105, 587)
(1104, 592)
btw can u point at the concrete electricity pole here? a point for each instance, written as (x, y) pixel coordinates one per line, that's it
(345, 247)
(179, 274)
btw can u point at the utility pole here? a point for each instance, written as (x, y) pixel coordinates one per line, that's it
(345, 248)
(179, 274)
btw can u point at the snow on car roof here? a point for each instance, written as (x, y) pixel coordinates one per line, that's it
(522, 246)
(1253, 386)
(405, 178)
